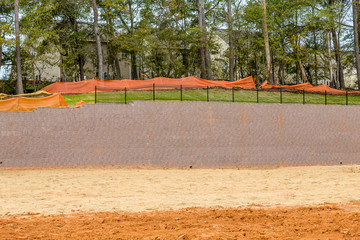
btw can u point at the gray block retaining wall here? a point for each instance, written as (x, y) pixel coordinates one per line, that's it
(176, 134)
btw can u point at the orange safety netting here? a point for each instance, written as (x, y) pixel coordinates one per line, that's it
(81, 103)
(88, 86)
(29, 104)
(305, 86)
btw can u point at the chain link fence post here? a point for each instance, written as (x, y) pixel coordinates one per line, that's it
(125, 97)
(347, 98)
(325, 98)
(304, 96)
(181, 93)
(233, 94)
(154, 92)
(207, 93)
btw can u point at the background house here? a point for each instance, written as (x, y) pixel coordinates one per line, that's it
(55, 72)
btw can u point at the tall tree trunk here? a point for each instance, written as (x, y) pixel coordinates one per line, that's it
(275, 78)
(208, 63)
(231, 45)
(81, 66)
(282, 63)
(297, 73)
(280, 72)
(241, 72)
(185, 60)
(206, 71)
(63, 76)
(255, 64)
(112, 51)
(202, 42)
(267, 46)
(108, 75)
(117, 68)
(340, 72)
(302, 71)
(20, 89)
(134, 71)
(80, 58)
(356, 38)
(33, 75)
(316, 60)
(134, 67)
(98, 41)
(297, 47)
(328, 43)
(1, 48)
(315, 48)
(203, 73)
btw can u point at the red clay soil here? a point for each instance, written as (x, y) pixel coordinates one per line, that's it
(320, 222)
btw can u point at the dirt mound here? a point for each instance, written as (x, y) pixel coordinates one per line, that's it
(320, 222)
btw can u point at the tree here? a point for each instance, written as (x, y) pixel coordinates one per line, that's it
(206, 71)
(269, 72)
(98, 41)
(126, 14)
(356, 38)
(20, 88)
(231, 44)
(113, 44)
(279, 40)
(328, 43)
(1, 53)
(6, 16)
(336, 9)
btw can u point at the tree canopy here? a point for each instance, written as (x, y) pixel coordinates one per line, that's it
(308, 40)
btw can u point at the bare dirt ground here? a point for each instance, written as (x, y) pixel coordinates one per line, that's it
(109, 203)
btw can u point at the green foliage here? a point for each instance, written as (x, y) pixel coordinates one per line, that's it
(162, 37)
(8, 87)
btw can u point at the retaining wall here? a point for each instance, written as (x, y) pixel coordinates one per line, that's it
(173, 134)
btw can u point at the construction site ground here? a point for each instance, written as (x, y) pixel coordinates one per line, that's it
(122, 203)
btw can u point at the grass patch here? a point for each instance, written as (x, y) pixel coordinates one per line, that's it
(214, 95)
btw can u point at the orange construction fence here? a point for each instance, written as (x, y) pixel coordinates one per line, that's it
(29, 104)
(305, 86)
(88, 86)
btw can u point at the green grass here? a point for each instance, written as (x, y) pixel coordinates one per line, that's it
(215, 95)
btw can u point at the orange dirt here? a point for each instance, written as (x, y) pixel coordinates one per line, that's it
(320, 222)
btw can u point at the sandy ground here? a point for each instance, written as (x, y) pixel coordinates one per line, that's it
(114, 203)
(62, 191)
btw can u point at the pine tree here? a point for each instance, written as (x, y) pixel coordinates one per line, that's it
(98, 41)
(20, 89)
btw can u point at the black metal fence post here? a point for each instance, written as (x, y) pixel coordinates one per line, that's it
(95, 96)
(181, 97)
(325, 98)
(154, 92)
(125, 97)
(207, 93)
(303, 96)
(281, 101)
(233, 94)
(257, 95)
(347, 98)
